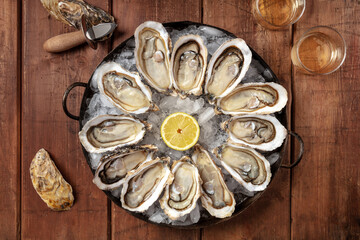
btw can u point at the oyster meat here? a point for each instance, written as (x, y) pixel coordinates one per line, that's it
(123, 88)
(188, 65)
(180, 197)
(49, 183)
(227, 67)
(152, 55)
(216, 197)
(143, 186)
(108, 132)
(246, 166)
(263, 132)
(254, 98)
(113, 168)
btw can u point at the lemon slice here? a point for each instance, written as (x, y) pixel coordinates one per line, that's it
(180, 131)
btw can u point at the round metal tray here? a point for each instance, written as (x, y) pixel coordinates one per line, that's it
(281, 116)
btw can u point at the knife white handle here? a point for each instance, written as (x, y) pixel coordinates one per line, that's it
(64, 42)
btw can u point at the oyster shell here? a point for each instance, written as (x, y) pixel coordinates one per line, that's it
(263, 132)
(113, 168)
(181, 195)
(216, 197)
(108, 132)
(254, 98)
(227, 67)
(152, 55)
(49, 183)
(188, 65)
(246, 166)
(123, 88)
(143, 186)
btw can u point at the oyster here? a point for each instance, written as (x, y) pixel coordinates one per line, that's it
(227, 67)
(251, 98)
(245, 165)
(143, 186)
(181, 195)
(49, 183)
(188, 65)
(108, 132)
(262, 132)
(152, 55)
(123, 88)
(113, 168)
(216, 198)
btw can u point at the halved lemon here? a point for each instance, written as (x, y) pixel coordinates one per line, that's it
(180, 131)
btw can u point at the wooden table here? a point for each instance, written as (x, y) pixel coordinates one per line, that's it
(319, 199)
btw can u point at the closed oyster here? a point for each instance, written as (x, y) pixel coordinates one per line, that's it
(262, 132)
(216, 197)
(143, 186)
(152, 55)
(188, 65)
(123, 88)
(227, 67)
(113, 168)
(49, 183)
(254, 98)
(108, 132)
(181, 195)
(245, 165)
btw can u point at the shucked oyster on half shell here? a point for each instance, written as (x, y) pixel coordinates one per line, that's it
(152, 55)
(143, 186)
(113, 168)
(180, 197)
(123, 88)
(254, 98)
(216, 197)
(227, 67)
(108, 132)
(188, 65)
(246, 166)
(263, 132)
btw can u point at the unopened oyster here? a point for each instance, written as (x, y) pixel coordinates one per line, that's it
(245, 165)
(254, 98)
(180, 197)
(113, 168)
(108, 132)
(123, 88)
(188, 65)
(262, 132)
(227, 67)
(49, 183)
(152, 55)
(216, 197)
(143, 186)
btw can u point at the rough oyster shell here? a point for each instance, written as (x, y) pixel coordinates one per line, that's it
(152, 55)
(143, 186)
(179, 197)
(188, 65)
(108, 132)
(123, 88)
(216, 197)
(49, 183)
(226, 68)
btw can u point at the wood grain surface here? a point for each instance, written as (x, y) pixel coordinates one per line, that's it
(319, 199)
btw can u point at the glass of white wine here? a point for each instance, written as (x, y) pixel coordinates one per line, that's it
(320, 50)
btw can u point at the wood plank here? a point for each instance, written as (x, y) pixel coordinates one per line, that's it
(44, 124)
(326, 192)
(9, 119)
(269, 217)
(129, 15)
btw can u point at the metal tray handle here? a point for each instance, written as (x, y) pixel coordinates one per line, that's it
(301, 151)
(66, 94)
